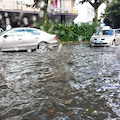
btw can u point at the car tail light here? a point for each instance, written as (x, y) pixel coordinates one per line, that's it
(55, 37)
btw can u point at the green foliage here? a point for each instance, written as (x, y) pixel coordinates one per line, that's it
(112, 17)
(87, 30)
(69, 32)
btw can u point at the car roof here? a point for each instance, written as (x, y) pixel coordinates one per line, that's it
(23, 28)
(110, 29)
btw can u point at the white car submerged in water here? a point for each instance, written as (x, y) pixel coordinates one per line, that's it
(109, 37)
(24, 38)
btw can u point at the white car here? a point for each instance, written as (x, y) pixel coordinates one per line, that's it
(109, 37)
(25, 38)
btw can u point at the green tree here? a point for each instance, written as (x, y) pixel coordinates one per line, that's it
(42, 5)
(112, 14)
(95, 4)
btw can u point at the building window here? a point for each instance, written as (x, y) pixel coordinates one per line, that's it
(18, 4)
(54, 5)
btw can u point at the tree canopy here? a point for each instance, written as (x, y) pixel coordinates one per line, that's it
(42, 5)
(112, 15)
(36, 3)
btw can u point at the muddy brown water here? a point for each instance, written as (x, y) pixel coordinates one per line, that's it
(75, 83)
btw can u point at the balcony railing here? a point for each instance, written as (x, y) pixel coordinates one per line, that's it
(61, 10)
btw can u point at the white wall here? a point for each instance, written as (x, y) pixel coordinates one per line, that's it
(12, 5)
(67, 5)
(85, 13)
(28, 1)
(9, 5)
(101, 10)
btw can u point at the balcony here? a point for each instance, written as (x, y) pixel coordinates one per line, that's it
(62, 15)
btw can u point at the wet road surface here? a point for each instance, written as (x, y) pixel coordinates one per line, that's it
(75, 83)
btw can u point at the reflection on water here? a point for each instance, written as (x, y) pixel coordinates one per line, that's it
(75, 83)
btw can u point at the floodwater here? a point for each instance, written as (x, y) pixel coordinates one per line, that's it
(74, 83)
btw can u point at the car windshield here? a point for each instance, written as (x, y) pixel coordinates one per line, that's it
(107, 32)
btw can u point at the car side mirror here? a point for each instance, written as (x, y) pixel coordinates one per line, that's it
(5, 36)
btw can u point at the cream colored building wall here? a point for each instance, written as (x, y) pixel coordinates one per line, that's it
(24, 8)
(66, 6)
(7, 4)
(11, 5)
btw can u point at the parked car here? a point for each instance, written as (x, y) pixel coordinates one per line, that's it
(109, 37)
(25, 38)
(106, 27)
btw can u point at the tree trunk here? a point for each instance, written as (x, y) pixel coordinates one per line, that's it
(43, 10)
(96, 5)
(96, 16)
(44, 18)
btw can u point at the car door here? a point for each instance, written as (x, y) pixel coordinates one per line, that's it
(13, 39)
(117, 36)
(31, 38)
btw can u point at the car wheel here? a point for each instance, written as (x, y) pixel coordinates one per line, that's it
(113, 43)
(43, 46)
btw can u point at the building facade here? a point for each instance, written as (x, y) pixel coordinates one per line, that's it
(62, 6)
(16, 5)
(53, 5)
(17, 13)
(62, 10)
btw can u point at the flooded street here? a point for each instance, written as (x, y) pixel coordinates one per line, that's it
(75, 83)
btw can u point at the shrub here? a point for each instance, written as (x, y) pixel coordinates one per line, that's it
(69, 32)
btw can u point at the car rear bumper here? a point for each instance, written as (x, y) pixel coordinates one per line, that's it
(53, 45)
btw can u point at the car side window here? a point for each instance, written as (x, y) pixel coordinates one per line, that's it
(108, 32)
(32, 32)
(16, 33)
(10, 34)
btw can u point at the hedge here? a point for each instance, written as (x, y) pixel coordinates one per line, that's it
(69, 32)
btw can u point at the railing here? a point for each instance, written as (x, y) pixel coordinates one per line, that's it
(61, 10)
